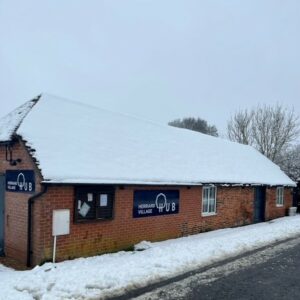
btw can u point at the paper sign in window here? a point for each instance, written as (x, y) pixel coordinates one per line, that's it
(90, 197)
(85, 208)
(103, 200)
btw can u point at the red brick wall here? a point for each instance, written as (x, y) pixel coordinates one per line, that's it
(234, 208)
(15, 230)
(273, 211)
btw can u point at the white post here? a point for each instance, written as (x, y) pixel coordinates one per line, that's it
(54, 249)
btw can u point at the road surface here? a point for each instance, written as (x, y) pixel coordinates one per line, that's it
(270, 273)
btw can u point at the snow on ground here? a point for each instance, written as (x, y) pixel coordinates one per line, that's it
(113, 274)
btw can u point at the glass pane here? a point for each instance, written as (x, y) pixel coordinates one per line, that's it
(212, 199)
(212, 205)
(209, 199)
(85, 206)
(205, 200)
(205, 205)
(104, 206)
(279, 196)
(212, 193)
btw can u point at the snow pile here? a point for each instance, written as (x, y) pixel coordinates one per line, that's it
(113, 274)
(78, 143)
(12, 121)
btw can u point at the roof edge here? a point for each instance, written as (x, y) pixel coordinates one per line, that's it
(10, 123)
(141, 183)
(34, 101)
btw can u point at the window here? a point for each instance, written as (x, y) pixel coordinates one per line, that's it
(279, 196)
(209, 200)
(94, 203)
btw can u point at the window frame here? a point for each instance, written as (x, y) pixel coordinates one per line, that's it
(96, 191)
(280, 196)
(208, 213)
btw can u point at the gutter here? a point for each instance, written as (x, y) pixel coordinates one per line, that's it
(31, 201)
(162, 183)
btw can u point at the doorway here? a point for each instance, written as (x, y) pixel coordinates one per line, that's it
(259, 204)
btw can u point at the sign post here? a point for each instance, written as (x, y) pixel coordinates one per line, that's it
(54, 249)
(60, 226)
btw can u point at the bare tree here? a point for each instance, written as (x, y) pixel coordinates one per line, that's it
(239, 127)
(290, 162)
(195, 124)
(270, 129)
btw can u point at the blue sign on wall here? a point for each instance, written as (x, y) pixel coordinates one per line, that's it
(155, 203)
(21, 181)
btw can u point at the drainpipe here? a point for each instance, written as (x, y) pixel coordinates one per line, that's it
(29, 222)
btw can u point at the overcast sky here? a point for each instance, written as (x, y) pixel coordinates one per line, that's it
(159, 59)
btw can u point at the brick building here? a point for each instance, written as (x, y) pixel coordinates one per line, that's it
(103, 181)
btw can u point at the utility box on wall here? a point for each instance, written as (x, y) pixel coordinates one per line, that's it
(61, 222)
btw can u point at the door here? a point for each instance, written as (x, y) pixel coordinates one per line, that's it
(259, 204)
(2, 193)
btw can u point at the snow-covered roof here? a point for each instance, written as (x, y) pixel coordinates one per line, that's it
(78, 143)
(10, 123)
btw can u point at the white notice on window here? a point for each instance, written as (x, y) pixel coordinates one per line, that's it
(103, 200)
(90, 197)
(84, 209)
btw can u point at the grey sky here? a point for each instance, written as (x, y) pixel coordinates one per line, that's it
(159, 59)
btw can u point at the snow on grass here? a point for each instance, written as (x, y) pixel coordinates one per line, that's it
(113, 274)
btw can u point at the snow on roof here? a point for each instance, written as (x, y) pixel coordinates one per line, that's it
(78, 143)
(10, 123)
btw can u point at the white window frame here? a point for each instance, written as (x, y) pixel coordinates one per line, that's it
(214, 198)
(279, 196)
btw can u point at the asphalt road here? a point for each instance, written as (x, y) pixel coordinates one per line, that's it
(271, 273)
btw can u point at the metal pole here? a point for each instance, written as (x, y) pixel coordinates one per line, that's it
(54, 249)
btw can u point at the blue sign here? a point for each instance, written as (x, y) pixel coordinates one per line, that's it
(21, 181)
(155, 203)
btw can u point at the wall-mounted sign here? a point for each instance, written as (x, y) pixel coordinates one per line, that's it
(61, 222)
(155, 203)
(60, 225)
(21, 181)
